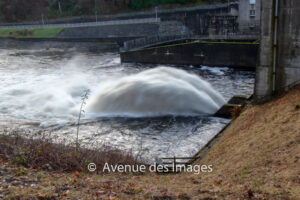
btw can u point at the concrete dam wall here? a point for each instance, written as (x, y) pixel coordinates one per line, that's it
(111, 31)
(123, 32)
(233, 54)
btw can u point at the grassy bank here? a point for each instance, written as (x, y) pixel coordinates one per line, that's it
(260, 151)
(257, 157)
(30, 33)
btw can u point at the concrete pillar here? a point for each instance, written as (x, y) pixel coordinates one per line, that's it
(288, 51)
(288, 66)
(263, 84)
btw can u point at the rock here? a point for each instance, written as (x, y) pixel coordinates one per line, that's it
(226, 110)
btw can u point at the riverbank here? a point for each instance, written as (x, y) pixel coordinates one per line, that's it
(70, 47)
(257, 157)
(30, 33)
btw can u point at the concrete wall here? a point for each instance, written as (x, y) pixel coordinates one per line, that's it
(288, 67)
(111, 31)
(210, 53)
(245, 20)
(126, 31)
(287, 60)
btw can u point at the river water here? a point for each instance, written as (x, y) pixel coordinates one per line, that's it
(42, 89)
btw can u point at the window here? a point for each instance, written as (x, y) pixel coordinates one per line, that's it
(252, 13)
(252, 23)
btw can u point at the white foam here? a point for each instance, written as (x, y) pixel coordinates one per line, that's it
(215, 70)
(155, 92)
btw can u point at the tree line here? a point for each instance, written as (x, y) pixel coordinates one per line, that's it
(20, 10)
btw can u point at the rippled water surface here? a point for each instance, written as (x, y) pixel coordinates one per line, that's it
(42, 89)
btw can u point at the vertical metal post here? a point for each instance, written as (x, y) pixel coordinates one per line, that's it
(156, 14)
(96, 11)
(175, 168)
(275, 44)
(59, 7)
(43, 19)
(228, 6)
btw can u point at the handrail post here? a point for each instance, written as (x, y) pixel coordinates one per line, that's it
(174, 170)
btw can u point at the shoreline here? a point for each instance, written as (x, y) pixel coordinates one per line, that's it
(90, 45)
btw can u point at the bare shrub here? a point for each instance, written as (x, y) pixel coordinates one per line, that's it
(40, 152)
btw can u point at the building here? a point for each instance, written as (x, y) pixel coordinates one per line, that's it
(249, 16)
(225, 22)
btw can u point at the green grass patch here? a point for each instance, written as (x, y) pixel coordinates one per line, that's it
(298, 105)
(30, 32)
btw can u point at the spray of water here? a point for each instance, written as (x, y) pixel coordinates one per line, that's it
(155, 92)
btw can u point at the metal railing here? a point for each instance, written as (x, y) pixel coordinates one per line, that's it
(148, 41)
(178, 160)
(157, 40)
(86, 24)
(127, 15)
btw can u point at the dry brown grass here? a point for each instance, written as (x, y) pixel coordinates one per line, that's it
(261, 149)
